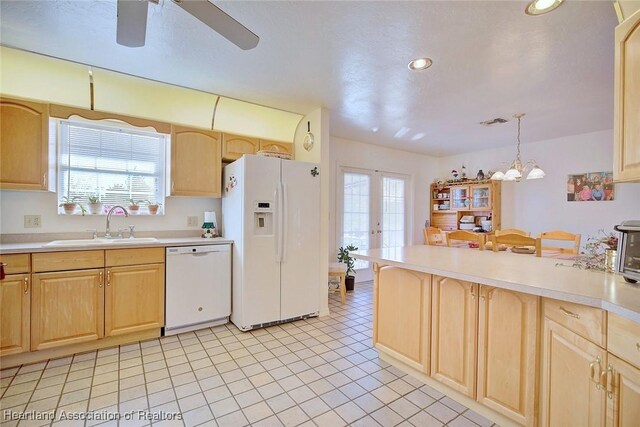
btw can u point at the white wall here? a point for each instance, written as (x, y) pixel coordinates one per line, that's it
(541, 205)
(15, 204)
(422, 170)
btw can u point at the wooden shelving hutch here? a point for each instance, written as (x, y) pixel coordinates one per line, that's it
(457, 199)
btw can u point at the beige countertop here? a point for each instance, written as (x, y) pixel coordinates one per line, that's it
(29, 247)
(522, 273)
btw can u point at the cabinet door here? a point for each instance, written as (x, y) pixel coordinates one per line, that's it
(134, 299)
(15, 303)
(66, 308)
(235, 146)
(402, 311)
(460, 199)
(281, 147)
(507, 348)
(626, 156)
(481, 197)
(571, 393)
(454, 331)
(24, 145)
(623, 397)
(196, 164)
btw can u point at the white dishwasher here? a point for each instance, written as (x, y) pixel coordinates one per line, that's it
(198, 287)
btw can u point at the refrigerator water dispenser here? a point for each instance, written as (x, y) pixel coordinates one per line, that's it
(263, 219)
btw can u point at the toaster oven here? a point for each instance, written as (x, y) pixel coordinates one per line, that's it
(628, 264)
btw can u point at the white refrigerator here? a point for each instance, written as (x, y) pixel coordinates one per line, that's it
(271, 210)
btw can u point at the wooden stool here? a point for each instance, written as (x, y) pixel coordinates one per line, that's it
(338, 269)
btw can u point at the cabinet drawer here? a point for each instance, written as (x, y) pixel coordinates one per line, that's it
(623, 339)
(118, 257)
(587, 322)
(61, 261)
(15, 264)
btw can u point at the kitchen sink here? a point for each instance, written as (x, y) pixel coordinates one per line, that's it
(101, 241)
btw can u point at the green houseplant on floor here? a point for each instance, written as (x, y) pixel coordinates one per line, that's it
(345, 258)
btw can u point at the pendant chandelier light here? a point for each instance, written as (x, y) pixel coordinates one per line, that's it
(517, 169)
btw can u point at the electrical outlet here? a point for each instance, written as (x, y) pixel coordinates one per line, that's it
(32, 221)
(192, 221)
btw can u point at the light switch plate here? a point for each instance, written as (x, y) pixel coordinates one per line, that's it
(32, 221)
(192, 221)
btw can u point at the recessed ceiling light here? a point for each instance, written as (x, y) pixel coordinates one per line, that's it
(375, 129)
(539, 7)
(420, 64)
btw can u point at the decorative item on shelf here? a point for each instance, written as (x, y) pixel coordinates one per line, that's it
(454, 174)
(276, 154)
(517, 169)
(68, 204)
(308, 138)
(95, 206)
(134, 206)
(345, 258)
(480, 175)
(209, 225)
(231, 183)
(463, 174)
(153, 207)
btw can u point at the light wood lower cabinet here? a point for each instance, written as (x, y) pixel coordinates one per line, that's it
(402, 304)
(134, 299)
(623, 394)
(571, 394)
(66, 308)
(453, 333)
(15, 304)
(507, 349)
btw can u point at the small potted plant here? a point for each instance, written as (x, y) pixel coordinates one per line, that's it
(345, 258)
(68, 204)
(134, 206)
(153, 207)
(95, 206)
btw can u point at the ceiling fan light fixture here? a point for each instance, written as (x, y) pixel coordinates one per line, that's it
(540, 7)
(420, 64)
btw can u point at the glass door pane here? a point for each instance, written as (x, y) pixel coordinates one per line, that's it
(356, 216)
(393, 212)
(459, 197)
(481, 197)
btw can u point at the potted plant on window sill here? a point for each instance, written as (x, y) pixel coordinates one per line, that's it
(134, 206)
(345, 258)
(153, 207)
(95, 206)
(68, 204)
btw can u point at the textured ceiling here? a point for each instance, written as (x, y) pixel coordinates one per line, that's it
(490, 60)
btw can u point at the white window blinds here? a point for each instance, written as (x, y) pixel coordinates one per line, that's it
(117, 164)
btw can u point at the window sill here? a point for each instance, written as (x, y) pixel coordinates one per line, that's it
(78, 213)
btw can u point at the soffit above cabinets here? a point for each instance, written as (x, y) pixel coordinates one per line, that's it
(489, 59)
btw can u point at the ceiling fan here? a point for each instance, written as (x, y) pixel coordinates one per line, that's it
(132, 22)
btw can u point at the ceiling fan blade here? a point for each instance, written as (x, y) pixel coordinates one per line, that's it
(132, 22)
(220, 22)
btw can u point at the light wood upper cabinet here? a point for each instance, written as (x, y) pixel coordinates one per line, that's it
(627, 100)
(279, 146)
(134, 299)
(570, 390)
(453, 333)
(196, 164)
(235, 146)
(623, 394)
(66, 308)
(15, 303)
(24, 145)
(402, 320)
(507, 349)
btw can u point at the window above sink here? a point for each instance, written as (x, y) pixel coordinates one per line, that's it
(101, 165)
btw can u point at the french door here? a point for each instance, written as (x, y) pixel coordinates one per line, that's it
(372, 212)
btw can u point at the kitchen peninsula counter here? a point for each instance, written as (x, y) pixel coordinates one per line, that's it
(521, 273)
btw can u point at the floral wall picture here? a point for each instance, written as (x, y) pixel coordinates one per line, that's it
(590, 187)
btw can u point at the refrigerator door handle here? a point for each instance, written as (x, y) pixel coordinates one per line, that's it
(284, 222)
(278, 227)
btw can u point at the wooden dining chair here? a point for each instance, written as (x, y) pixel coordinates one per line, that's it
(565, 236)
(433, 236)
(516, 240)
(466, 236)
(512, 231)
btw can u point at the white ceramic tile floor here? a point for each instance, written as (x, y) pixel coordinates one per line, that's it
(314, 372)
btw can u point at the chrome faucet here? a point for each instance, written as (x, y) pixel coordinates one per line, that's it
(107, 234)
